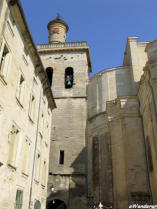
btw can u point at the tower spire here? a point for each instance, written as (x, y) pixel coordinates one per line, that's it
(58, 16)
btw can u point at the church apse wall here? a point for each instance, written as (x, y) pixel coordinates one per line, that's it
(116, 133)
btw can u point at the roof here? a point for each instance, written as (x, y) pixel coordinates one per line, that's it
(58, 20)
(18, 14)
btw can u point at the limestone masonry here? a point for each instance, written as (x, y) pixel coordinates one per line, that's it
(67, 141)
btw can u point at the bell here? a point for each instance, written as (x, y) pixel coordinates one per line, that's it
(69, 83)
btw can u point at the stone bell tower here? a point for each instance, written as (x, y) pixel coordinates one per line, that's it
(68, 66)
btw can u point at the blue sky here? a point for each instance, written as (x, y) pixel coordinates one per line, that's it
(104, 24)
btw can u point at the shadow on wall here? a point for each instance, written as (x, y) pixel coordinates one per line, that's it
(73, 195)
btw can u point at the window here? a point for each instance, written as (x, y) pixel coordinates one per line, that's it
(37, 167)
(44, 169)
(95, 161)
(25, 60)
(20, 89)
(68, 77)
(10, 29)
(32, 108)
(5, 60)
(61, 159)
(49, 72)
(19, 199)
(37, 204)
(42, 123)
(26, 155)
(47, 137)
(13, 146)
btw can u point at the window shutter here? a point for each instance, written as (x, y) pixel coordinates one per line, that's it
(19, 199)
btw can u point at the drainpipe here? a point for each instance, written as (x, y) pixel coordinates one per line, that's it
(36, 142)
(86, 140)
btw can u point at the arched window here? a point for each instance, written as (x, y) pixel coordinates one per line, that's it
(69, 77)
(49, 72)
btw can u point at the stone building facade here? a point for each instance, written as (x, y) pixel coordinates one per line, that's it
(26, 104)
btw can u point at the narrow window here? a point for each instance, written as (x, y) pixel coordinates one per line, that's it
(10, 29)
(13, 146)
(49, 72)
(19, 199)
(61, 159)
(43, 181)
(5, 58)
(47, 133)
(42, 123)
(32, 107)
(26, 154)
(95, 161)
(68, 77)
(20, 89)
(37, 167)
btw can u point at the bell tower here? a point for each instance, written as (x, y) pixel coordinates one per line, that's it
(68, 66)
(57, 29)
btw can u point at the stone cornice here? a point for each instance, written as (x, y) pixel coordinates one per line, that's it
(122, 116)
(42, 49)
(96, 115)
(108, 70)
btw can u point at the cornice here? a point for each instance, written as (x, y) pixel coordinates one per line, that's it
(96, 115)
(85, 48)
(64, 49)
(99, 74)
(122, 116)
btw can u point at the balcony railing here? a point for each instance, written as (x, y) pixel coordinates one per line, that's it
(62, 45)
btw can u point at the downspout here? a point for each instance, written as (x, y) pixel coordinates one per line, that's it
(86, 140)
(36, 142)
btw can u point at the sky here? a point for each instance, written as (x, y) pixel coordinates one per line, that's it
(104, 24)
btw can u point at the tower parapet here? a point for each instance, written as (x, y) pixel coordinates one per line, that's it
(57, 30)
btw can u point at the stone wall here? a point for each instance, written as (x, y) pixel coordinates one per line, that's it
(69, 126)
(148, 106)
(117, 126)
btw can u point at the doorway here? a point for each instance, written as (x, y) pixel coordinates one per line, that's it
(56, 204)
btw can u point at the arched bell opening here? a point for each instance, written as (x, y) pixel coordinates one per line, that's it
(49, 72)
(69, 77)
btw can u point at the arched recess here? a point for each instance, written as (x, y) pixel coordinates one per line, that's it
(37, 204)
(69, 77)
(49, 72)
(56, 204)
